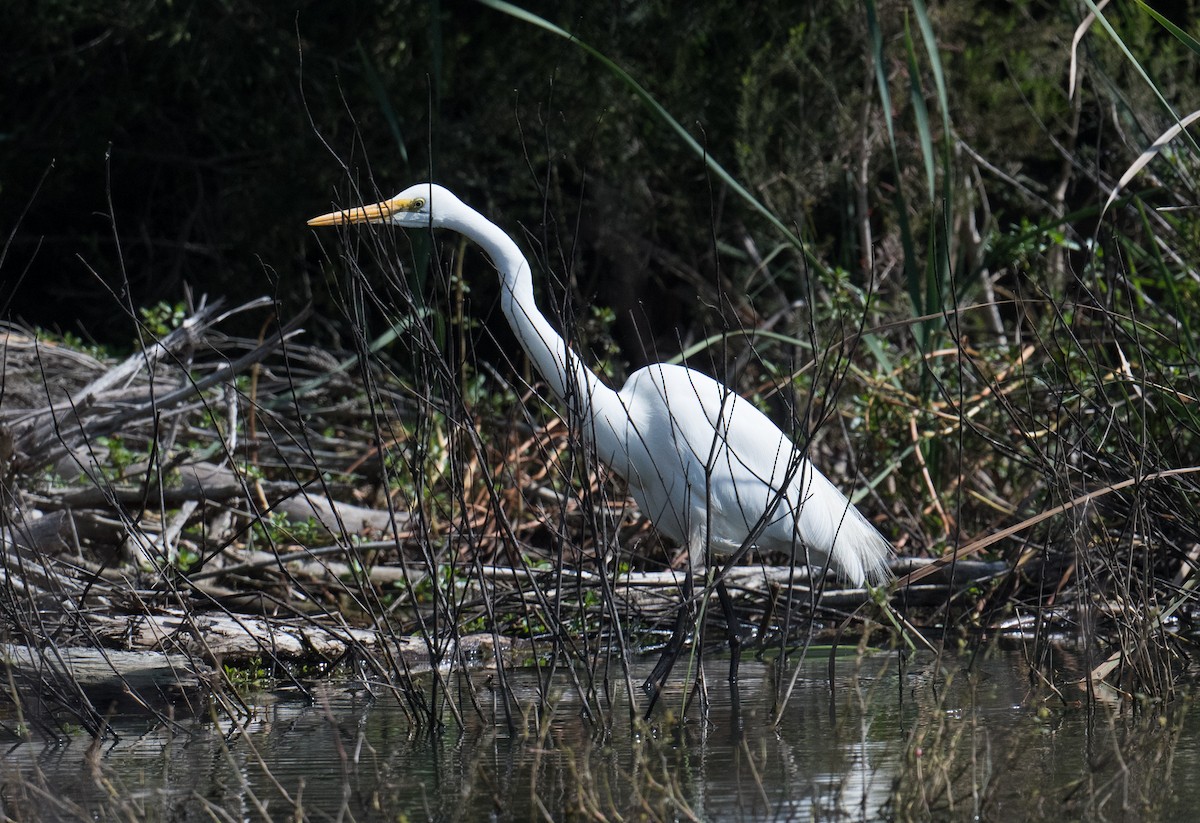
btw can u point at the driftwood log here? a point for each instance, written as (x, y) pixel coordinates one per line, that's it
(101, 670)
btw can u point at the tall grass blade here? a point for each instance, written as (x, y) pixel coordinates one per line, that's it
(647, 98)
(1180, 304)
(921, 113)
(1181, 35)
(912, 277)
(939, 81)
(1133, 61)
(1149, 154)
(722, 337)
(1076, 39)
(375, 83)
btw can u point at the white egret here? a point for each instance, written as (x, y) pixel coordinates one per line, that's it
(710, 470)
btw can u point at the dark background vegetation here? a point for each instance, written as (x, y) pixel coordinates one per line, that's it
(225, 125)
(163, 144)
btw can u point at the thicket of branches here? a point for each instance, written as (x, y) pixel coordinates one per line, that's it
(925, 276)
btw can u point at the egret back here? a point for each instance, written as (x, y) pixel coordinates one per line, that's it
(708, 469)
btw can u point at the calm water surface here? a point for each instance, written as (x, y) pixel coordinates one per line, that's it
(885, 739)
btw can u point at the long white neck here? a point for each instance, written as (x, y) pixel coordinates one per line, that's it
(572, 383)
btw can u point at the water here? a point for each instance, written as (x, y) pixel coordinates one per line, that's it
(966, 739)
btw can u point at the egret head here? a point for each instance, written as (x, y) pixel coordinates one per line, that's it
(421, 206)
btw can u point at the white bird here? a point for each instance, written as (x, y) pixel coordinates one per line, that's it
(710, 470)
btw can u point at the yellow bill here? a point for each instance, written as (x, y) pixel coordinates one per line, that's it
(379, 212)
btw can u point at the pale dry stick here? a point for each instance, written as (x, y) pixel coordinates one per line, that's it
(1185, 569)
(252, 393)
(933, 495)
(166, 545)
(1149, 154)
(1080, 31)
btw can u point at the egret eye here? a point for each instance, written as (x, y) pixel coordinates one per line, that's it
(419, 204)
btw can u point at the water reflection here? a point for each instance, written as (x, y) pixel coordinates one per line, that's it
(886, 739)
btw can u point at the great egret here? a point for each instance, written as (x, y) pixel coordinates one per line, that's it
(709, 469)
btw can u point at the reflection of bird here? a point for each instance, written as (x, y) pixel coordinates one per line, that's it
(708, 468)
